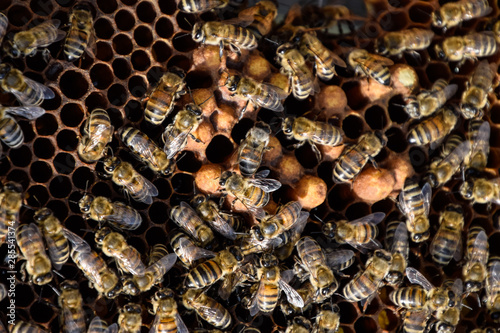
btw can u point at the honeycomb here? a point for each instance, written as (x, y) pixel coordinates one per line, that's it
(136, 40)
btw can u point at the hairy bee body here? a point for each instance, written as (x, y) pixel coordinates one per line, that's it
(4, 24)
(207, 308)
(474, 271)
(299, 324)
(415, 202)
(447, 239)
(409, 40)
(433, 129)
(447, 320)
(327, 319)
(24, 327)
(479, 137)
(52, 229)
(285, 218)
(454, 13)
(416, 321)
(162, 99)
(11, 133)
(252, 149)
(492, 288)
(262, 15)
(427, 102)
(176, 134)
(371, 65)
(360, 233)
(186, 249)
(210, 212)
(157, 252)
(102, 209)
(411, 298)
(80, 33)
(130, 318)
(475, 97)
(481, 190)
(11, 200)
(71, 303)
(185, 217)
(30, 242)
(98, 132)
(167, 318)
(472, 46)
(397, 234)
(354, 158)
(200, 6)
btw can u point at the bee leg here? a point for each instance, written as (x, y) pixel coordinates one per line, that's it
(46, 55)
(221, 50)
(244, 109)
(315, 150)
(195, 138)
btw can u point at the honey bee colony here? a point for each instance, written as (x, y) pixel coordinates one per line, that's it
(209, 166)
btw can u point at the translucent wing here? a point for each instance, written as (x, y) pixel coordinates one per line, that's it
(71, 325)
(254, 305)
(33, 236)
(181, 327)
(228, 284)
(262, 174)
(416, 277)
(456, 157)
(128, 220)
(450, 90)
(152, 191)
(54, 254)
(479, 251)
(493, 279)
(130, 261)
(292, 296)
(97, 325)
(189, 225)
(28, 112)
(154, 325)
(458, 287)
(374, 219)
(427, 195)
(268, 101)
(481, 140)
(300, 223)
(206, 311)
(163, 265)
(400, 239)
(141, 145)
(223, 227)
(265, 184)
(336, 259)
(77, 243)
(190, 252)
(50, 25)
(176, 145)
(39, 88)
(382, 60)
(113, 328)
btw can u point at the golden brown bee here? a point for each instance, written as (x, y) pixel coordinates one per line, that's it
(24, 327)
(222, 34)
(26, 43)
(285, 218)
(472, 46)
(477, 253)
(123, 174)
(327, 319)
(200, 6)
(146, 150)
(186, 249)
(354, 158)
(366, 283)
(130, 318)
(210, 271)
(479, 137)
(427, 102)
(454, 13)
(400, 248)
(209, 212)
(71, 304)
(261, 15)
(415, 203)
(252, 148)
(162, 99)
(30, 242)
(416, 321)
(475, 97)
(115, 245)
(102, 209)
(4, 24)
(360, 233)
(448, 238)
(57, 243)
(432, 130)
(176, 134)
(409, 40)
(97, 325)
(313, 132)
(481, 190)
(98, 132)
(252, 192)
(259, 93)
(187, 218)
(167, 318)
(80, 33)
(10, 132)
(371, 65)
(492, 288)
(207, 308)
(299, 325)
(26, 91)
(294, 66)
(93, 267)
(11, 200)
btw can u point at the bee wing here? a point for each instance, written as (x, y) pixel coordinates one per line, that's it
(416, 277)
(265, 184)
(142, 145)
(427, 196)
(152, 191)
(41, 90)
(98, 325)
(228, 284)
(239, 21)
(299, 225)
(28, 112)
(206, 311)
(54, 254)
(130, 261)
(33, 235)
(190, 226)
(181, 327)
(223, 227)
(154, 325)
(71, 325)
(457, 156)
(113, 328)
(450, 90)
(292, 296)
(458, 252)
(128, 221)
(458, 287)
(164, 264)
(262, 174)
(493, 278)
(77, 243)
(382, 60)
(479, 248)
(481, 140)
(400, 236)
(172, 148)
(192, 251)
(338, 258)
(273, 96)
(403, 207)
(374, 219)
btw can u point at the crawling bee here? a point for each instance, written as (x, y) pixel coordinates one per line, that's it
(400, 249)
(472, 46)
(371, 65)
(207, 308)
(57, 243)
(432, 130)
(130, 318)
(11, 200)
(162, 99)
(167, 317)
(409, 40)
(327, 319)
(448, 239)
(492, 288)
(222, 34)
(186, 249)
(252, 148)
(261, 16)
(10, 132)
(294, 66)
(200, 6)
(427, 102)
(146, 150)
(454, 13)
(415, 203)
(479, 137)
(71, 303)
(187, 218)
(475, 97)
(476, 255)
(26, 91)
(123, 174)
(98, 132)
(313, 132)
(30, 242)
(102, 209)
(209, 211)
(81, 31)
(26, 43)
(481, 190)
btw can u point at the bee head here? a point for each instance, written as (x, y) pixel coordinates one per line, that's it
(451, 298)
(236, 252)
(257, 233)
(329, 290)
(380, 47)
(42, 214)
(132, 308)
(381, 136)
(268, 260)
(412, 107)
(287, 125)
(437, 19)
(85, 203)
(111, 163)
(470, 110)
(440, 52)
(473, 285)
(466, 189)
(394, 277)
(129, 287)
(68, 285)
(11, 49)
(454, 208)
(301, 321)
(43, 279)
(224, 177)
(4, 70)
(197, 34)
(194, 109)
(263, 126)
(495, 316)
(232, 82)
(297, 36)
(268, 230)
(178, 71)
(420, 237)
(164, 293)
(13, 187)
(101, 233)
(431, 178)
(329, 229)
(198, 200)
(113, 293)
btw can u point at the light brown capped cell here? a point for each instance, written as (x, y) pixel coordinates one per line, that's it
(310, 191)
(257, 67)
(332, 100)
(207, 178)
(224, 118)
(290, 170)
(279, 80)
(205, 99)
(401, 167)
(373, 185)
(272, 156)
(207, 56)
(404, 79)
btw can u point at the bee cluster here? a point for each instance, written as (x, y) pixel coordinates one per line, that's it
(201, 166)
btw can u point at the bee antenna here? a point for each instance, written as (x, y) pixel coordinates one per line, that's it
(73, 201)
(181, 35)
(88, 230)
(465, 306)
(190, 24)
(272, 41)
(318, 218)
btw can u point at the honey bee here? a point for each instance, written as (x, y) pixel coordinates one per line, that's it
(10, 132)
(176, 134)
(259, 93)
(146, 150)
(261, 15)
(157, 252)
(284, 219)
(360, 233)
(186, 249)
(415, 203)
(476, 255)
(57, 243)
(71, 303)
(427, 102)
(25, 90)
(30, 242)
(324, 59)
(24, 327)
(103, 279)
(115, 245)
(102, 209)
(299, 325)
(97, 325)
(472, 46)
(354, 158)
(123, 174)
(479, 136)
(475, 97)
(400, 251)
(432, 130)
(222, 34)
(98, 132)
(210, 271)
(294, 66)
(80, 33)
(366, 283)
(252, 148)
(447, 241)
(492, 288)
(481, 190)
(4, 24)
(26, 43)
(186, 218)
(200, 6)
(209, 212)
(11, 200)
(327, 319)
(162, 99)
(207, 308)
(448, 319)
(167, 318)
(454, 13)
(409, 40)
(416, 321)
(371, 65)
(130, 319)
(252, 192)
(313, 132)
